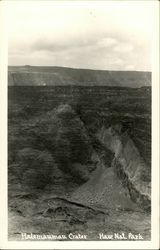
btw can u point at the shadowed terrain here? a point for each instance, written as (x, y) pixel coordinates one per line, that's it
(79, 157)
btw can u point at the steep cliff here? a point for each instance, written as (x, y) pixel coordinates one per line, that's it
(128, 164)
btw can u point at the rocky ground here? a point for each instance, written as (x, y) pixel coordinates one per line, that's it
(64, 180)
(61, 212)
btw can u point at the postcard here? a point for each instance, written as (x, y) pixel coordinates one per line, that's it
(79, 125)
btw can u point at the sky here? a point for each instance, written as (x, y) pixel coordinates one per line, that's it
(106, 35)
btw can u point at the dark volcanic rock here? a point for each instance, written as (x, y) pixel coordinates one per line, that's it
(35, 167)
(63, 134)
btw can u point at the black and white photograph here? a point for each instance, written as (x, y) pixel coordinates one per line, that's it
(79, 121)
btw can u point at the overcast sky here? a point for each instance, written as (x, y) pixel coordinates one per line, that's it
(113, 35)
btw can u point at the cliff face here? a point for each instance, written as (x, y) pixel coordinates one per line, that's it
(53, 76)
(128, 164)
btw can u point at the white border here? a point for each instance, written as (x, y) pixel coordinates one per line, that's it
(4, 243)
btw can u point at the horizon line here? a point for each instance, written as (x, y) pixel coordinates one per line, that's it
(28, 65)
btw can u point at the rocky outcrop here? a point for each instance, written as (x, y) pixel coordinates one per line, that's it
(128, 164)
(61, 136)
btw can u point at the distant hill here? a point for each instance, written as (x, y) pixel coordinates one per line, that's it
(58, 76)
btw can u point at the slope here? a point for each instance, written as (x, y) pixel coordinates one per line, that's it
(59, 76)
